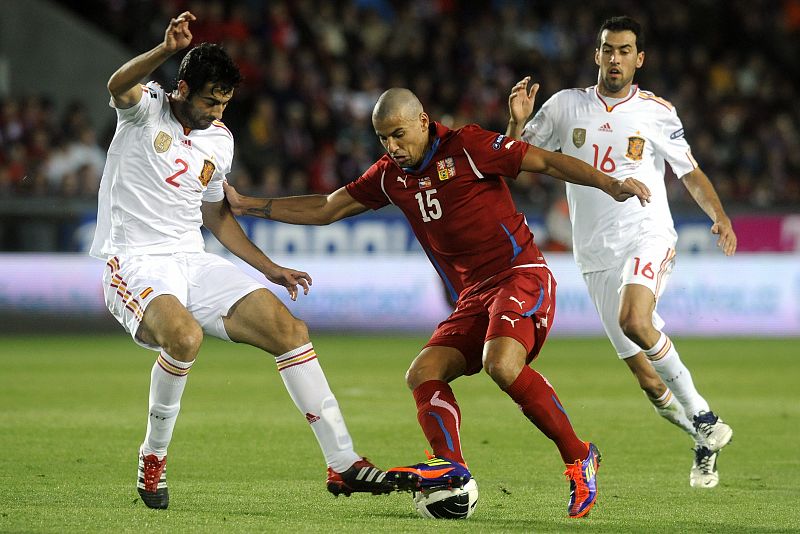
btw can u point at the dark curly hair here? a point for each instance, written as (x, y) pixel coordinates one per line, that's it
(620, 24)
(208, 62)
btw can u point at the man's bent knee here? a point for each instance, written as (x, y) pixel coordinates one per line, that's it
(635, 328)
(419, 374)
(294, 333)
(435, 363)
(503, 359)
(184, 342)
(503, 370)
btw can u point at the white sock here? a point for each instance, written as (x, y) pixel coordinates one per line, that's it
(676, 376)
(668, 407)
(308, 387)
(167, 382)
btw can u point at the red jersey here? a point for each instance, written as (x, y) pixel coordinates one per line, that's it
(458, 204)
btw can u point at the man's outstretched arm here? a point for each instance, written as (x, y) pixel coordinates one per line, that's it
(576, 171)
(219, 220)
(306, 209)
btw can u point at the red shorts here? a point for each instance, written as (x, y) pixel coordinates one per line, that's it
(521, 305)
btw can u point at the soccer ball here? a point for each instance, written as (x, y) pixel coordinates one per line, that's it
(457, 503)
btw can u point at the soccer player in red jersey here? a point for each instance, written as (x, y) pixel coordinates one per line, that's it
(450, 186)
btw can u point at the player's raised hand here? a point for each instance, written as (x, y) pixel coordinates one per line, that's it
(627, 188)
(727, 237)
(177, 36)
(521, 99)
(289, 278)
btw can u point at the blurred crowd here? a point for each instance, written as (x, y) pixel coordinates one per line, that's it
(313, 70)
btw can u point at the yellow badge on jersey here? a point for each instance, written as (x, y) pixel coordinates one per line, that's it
(162, 142)
(635, 148)
(578, 137)
(207, 172)
(446, 169)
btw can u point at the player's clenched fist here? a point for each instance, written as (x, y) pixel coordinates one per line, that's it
(178, 36)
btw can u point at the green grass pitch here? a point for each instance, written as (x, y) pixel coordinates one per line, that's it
(73, 412)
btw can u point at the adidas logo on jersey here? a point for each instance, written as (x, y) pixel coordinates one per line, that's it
(605, 128)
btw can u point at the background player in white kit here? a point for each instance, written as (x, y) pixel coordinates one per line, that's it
(624, 251)
(162, 181)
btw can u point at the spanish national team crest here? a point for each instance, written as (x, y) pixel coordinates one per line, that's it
(446, 169)
(162, 142)
(578, 137)
(207, 172)
(635, 148)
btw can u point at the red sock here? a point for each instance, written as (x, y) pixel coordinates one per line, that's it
(440, 418)
(539, 402)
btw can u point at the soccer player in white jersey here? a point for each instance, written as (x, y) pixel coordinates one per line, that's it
(162, 181)
(624, 251)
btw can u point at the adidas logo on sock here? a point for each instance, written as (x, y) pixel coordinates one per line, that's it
(605, 128)
(311, 418)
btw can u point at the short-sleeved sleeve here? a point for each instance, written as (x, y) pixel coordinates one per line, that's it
(673, 147)
(368, 188)
(493, 153)
(540, 131)
(214, 191)
(148, 106)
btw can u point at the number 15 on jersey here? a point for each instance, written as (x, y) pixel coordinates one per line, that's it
(429, 206)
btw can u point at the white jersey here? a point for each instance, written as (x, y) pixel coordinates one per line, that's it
(155, 179)
(630, 138)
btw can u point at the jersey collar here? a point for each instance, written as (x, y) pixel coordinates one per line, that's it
(611, 108)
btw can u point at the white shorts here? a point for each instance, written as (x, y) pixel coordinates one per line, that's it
(206, 284)
(650, 265)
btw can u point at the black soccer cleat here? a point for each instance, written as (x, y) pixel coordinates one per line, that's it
(361, 477)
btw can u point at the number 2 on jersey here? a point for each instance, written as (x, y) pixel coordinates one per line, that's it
(607, 165)
(430, 207)
(171, 179)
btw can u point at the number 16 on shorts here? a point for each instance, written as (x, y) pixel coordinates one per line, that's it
(649, 267)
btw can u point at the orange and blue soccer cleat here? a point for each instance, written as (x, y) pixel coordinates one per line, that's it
(361, 477)
(152, 481)
(436, 473)
(582, 477)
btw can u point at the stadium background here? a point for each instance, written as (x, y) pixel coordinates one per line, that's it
(72, 405)
(301, 119)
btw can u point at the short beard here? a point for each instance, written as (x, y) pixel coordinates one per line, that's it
(185, 110)
(612, 87)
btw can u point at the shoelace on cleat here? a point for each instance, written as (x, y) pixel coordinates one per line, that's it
(703, 457)
(574, 473)
(705, 422)
(152, 472)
